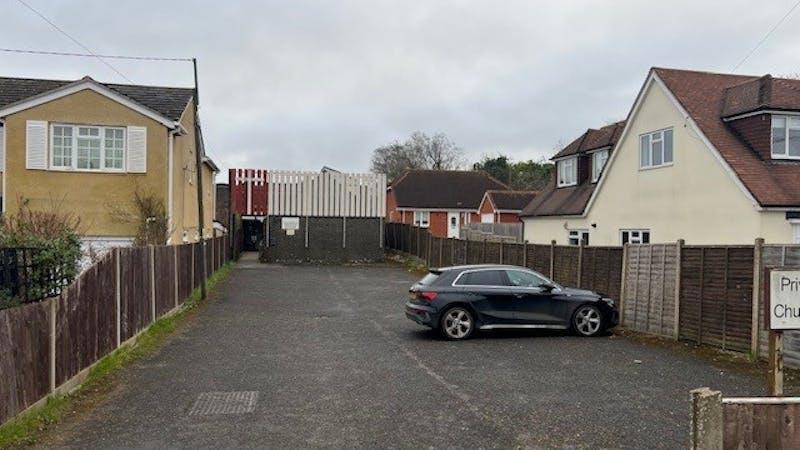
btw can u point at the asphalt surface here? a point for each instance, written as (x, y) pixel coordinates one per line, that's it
(335, 363)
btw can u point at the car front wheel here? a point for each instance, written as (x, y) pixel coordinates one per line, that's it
(588, 320)
(457, 323)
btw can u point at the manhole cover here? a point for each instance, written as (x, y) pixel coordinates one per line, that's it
(209, 403)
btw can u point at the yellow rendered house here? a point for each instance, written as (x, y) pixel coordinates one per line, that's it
(87, 147)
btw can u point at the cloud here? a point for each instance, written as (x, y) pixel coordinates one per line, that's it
(298, 85)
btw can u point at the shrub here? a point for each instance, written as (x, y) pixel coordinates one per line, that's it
(148, 214)
(54, 236)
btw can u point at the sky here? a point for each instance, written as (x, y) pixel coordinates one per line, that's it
(300, 84)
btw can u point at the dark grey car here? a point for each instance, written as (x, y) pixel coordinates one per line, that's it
(459, 300)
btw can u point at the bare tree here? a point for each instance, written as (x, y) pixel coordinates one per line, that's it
(419, 151)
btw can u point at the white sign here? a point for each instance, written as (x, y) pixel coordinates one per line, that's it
(290, 223)
(784, 299)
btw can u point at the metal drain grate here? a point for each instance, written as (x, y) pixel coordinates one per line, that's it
(209, 403)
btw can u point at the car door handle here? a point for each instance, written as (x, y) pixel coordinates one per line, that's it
(519, 295)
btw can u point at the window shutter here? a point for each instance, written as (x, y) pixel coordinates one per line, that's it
(137, 150)
(36, 145)
(2, 149)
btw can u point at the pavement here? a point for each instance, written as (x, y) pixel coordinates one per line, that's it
(307, 357)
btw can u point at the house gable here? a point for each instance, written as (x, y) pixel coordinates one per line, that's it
(697, 197)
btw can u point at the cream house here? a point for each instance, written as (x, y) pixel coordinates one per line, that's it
(87, 147)
(706, 157)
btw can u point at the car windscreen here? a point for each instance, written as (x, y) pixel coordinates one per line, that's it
(428, 279)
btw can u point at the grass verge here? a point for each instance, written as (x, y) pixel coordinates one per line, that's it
(24, 429)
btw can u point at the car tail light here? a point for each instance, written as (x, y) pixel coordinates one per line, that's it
(427, 296)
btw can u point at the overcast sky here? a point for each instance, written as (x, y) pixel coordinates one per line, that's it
(302, 84)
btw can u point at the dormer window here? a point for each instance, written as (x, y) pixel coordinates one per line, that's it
(567, 172)
(598, 163)
(786, 137)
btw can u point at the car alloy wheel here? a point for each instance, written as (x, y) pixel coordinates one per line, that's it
(457, 323)
(588, 320)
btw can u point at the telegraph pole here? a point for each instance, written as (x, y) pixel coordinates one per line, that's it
(199, 170)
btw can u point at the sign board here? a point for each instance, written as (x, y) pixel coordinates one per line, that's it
(290, 224)
(783, 299)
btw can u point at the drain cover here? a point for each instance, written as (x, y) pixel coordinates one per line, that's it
(209, 403)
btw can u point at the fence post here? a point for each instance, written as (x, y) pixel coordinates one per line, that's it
(53, 317)
(466, 250)
(118, 293)
(344, 232)
(580, 263)
(552, 258)
(678, 274)
(524, 253)
(483, 252)
(623, 283)
(193, 265)
(441, 251)
(452, 251)
(706, 428)
(153, 281)
(758, 289)
(175, 264)
(501, 250)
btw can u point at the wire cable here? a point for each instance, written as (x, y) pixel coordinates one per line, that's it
(88, 55)
(87, 49)
(766, 36)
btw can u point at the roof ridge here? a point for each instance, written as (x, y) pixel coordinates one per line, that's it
(87, 77)
(707, 72)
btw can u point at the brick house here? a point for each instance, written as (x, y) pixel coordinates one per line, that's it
(504, 206)
(441, 200)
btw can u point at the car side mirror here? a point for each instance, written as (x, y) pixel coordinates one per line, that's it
(547, 287)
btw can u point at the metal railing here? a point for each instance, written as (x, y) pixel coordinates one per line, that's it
(24, 278)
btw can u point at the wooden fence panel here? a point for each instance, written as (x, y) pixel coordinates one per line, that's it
(185, 266)
(86, 319)
(513, 253)
(492, 253)
(566, 265)
(165, 278)
(460, 249)
(198, 263)
(760, 425)
(780, 256)
(475, 253)
(716, 296)
(24, 357)
(650, 283)
(539, 258)
(135, 301)
(601, 270)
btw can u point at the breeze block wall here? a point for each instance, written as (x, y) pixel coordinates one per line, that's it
(325, 240)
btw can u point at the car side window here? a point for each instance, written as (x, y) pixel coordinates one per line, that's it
(483, 278)
(519, 278)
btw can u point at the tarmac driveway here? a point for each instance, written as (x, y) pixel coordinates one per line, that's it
(324, 357)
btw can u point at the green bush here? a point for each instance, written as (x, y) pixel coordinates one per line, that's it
(56, 245)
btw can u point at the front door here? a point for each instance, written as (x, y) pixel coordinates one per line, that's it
(452, 225)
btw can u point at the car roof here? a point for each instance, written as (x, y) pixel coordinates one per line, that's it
(478, 266)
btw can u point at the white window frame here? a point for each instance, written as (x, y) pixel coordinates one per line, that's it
(795, 223)
(638, 233)
(561, 167)
(656, 136)
(422, 219)
(598, 166)
(787, 128)
(485, 216)
(579, 235)
(73, 167)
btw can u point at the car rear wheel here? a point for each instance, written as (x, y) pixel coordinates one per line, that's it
(457, 323)
(588, 320)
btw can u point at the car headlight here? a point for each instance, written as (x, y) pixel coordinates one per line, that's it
(608, 300)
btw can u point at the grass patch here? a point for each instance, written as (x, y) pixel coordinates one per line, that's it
(24, 429)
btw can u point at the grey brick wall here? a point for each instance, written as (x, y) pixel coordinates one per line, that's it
(327, 242)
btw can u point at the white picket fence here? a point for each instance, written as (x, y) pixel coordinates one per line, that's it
(326, 194)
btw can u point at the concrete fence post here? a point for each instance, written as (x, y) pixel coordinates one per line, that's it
(52, 349)
(118, 295)
(706, 421)
(441, 252)
(676, 333)
(524, 253)
(153, 282)
(466, 250)
(501, 251)
(552, 258)
(344, 232)
(623, 283)
(177, 277)
(483, 252)
(758, 291)
(580, 263)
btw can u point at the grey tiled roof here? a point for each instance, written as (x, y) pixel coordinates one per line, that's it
(167, 101)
